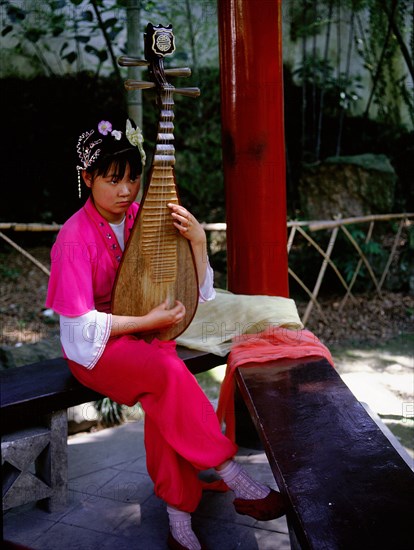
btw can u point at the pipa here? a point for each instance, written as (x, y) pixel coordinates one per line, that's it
(158, 262)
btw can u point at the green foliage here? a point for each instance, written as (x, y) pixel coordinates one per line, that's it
(65, 36)
(110, 412)
(198, 139)
(8, 272)
(342, 90)
(347, 261)
(61, 36)
(198, 145)
(383, 57)
(376, 30)
(307, 19)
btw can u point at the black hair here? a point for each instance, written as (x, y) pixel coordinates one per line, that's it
(106, 148)
(117, 163)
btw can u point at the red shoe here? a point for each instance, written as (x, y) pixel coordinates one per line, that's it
(262, 509)
(175, 545)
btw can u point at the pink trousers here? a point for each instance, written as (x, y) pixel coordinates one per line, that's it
(182, 432)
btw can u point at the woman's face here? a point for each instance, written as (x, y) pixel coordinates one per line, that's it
(112, 196)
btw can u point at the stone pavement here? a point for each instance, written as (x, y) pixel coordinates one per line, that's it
(112, 504)
(382, 376)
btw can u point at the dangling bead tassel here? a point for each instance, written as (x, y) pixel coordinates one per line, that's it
(79, 185)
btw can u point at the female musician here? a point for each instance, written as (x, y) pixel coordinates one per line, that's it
(182, 433)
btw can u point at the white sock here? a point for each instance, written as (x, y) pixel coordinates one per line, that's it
(241, 483)
(181, 530)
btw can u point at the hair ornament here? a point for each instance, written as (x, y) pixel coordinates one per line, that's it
(86, 156)
(136, 138)
(85, 148)
(89, 149)
(104, 127)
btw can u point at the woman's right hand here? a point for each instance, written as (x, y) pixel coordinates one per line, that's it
(161, 317)
(158, 318)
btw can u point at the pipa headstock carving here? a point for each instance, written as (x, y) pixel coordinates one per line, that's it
(159, 42)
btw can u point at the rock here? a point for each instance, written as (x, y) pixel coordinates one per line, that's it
(347, 187)
(16, 356)
(82, 418)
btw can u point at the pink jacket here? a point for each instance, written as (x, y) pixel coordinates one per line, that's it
(84, 261)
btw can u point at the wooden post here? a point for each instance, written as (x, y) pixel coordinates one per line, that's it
(250, 39)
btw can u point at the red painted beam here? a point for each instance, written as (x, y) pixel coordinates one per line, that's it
(251, 68)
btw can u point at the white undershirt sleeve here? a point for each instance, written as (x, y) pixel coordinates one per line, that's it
(84, 338)
(206, 290)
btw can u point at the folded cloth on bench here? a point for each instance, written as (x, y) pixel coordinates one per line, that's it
(275, 343)
(218, 322)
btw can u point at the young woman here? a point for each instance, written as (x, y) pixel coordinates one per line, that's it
(182, 433)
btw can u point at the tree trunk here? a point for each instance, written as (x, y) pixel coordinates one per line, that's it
(134, 48)
(322, 96)
(107, 40)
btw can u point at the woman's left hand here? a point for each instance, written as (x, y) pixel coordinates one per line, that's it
(187, 224)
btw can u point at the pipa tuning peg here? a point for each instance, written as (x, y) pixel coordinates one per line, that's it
(138, 85)
(129, 61)
(184, 71)
(189, 92)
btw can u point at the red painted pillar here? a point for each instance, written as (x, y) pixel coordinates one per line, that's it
(250, 37)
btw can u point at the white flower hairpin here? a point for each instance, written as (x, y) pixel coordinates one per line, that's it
(136, 138)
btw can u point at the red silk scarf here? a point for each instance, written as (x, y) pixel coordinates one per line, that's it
(275, 343)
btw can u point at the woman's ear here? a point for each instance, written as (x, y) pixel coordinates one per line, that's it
(87, 178)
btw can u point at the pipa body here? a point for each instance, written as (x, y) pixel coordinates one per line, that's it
(158, 262)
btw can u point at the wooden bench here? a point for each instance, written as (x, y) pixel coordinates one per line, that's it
(345, 485)
(34, 403)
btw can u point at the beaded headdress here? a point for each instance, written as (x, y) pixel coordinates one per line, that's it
(89, 147)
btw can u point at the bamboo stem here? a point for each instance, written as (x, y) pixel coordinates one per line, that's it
(392, 253)
(22, 251)
(291, 237)
(321, 274)
(363, 257)
(326, 224)
(308, 292)
(324, 255)
(358, 267)
(16, 226)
